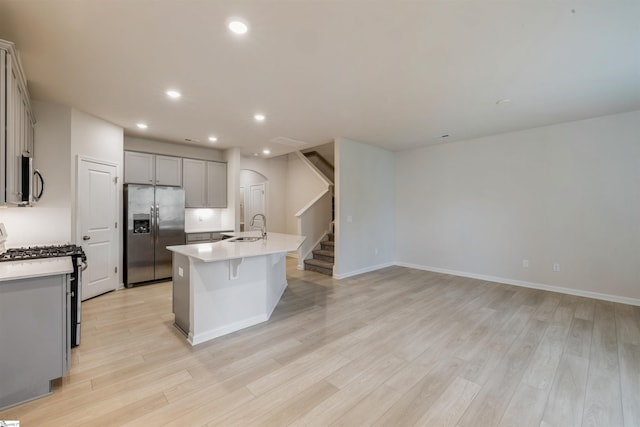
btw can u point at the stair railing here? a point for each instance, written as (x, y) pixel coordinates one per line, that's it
(314, 222)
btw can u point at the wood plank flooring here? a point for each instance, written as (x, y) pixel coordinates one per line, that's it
(395, 347)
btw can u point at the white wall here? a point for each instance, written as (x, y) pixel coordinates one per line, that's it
(303, 185)
(97, 139)
(231, 215)
(565, 194)
(365, 187)
(49, 221)
(275, 170)
(168, 149)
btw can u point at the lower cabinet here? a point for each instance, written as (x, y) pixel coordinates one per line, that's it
(205, 237)
(34, 326)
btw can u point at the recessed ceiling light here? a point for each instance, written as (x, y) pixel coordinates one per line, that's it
(142, 125)
(213, 139)
(266, 151)
(173, 94)
(503, 101)
(238, 26)
(259, 117)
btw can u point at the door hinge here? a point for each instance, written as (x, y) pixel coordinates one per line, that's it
(116, 269)
(116, 224)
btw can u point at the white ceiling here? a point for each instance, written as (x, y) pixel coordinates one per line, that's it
(396, 74)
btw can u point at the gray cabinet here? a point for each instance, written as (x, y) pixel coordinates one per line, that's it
(146, 168)
(205, 237)
(168, 170)
(194, 183)
(34, 324)
(216, 185)
(205, 184)
(16, 124)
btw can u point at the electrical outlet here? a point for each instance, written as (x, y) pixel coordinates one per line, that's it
(525, 263)
(556, 267)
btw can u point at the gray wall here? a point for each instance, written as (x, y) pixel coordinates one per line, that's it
(565, 194)
(365, 208)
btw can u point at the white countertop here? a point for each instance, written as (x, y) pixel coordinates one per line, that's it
(14, 270)
(229, 249)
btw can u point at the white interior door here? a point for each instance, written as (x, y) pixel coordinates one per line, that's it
(97, 217)
(256, 204)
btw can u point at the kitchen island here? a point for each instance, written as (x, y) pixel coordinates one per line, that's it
(222, 287)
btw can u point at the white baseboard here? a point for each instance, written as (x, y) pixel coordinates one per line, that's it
(201, 337)
(524, 284)
(363, 270)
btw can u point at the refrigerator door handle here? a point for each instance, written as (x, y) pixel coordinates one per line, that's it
(157, 222)
(152, 226)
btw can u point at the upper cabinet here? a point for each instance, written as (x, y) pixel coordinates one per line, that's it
(217, 184)
(16, 125)
(194, 183)
(205, 184)
(145, 168)
(138, 168)
(168, 171)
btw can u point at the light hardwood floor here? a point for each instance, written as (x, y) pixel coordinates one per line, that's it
(395, 347)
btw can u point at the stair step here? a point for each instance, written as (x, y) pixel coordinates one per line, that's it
(328, 244)
(324, 255)
(330, 237)
(319, 266)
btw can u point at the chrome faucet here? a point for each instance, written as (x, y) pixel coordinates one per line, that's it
(263, 229)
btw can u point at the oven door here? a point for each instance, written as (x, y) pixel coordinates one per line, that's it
(76, 300)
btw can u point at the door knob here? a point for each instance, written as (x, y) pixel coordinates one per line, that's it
(86, 238)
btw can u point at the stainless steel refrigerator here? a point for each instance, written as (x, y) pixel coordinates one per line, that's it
(155, 220)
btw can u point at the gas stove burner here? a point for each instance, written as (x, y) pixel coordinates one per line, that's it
(35, 252)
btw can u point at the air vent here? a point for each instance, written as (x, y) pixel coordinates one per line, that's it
(289, 142)
(191, 140)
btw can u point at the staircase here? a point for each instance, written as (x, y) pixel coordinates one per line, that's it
(322, 261)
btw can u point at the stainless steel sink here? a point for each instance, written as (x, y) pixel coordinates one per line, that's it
(246, 239)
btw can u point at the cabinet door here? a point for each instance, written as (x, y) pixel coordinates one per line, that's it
(13, 142)
(193, 182)
(216, 185)
(169, 171)
(3, 123)
(138, 168)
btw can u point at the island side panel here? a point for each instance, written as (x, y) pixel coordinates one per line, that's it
(182, 293)
(276, 280)
(223, 304)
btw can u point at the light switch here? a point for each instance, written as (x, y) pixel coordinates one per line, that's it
(180, 272)
(349, 218)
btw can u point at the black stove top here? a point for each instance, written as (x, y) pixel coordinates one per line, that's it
(34, 252)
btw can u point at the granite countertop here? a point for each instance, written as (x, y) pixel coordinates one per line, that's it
(230, 249)
(14, 270)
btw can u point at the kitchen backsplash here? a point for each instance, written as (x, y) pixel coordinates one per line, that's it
(31, 226)
(207, 220)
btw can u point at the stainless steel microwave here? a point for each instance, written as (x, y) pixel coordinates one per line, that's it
(31, 183)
